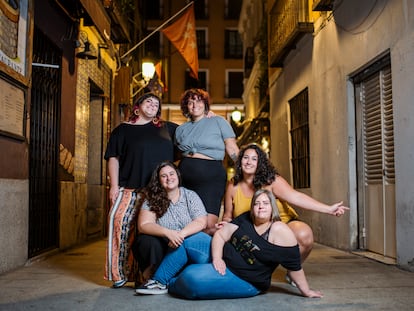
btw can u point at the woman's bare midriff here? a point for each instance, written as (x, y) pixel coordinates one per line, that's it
(198, 156)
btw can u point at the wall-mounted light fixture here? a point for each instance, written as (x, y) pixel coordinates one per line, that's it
(236, 115)
(148, 70)
(86, 53)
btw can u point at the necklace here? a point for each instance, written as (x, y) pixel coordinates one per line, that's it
(259, 228)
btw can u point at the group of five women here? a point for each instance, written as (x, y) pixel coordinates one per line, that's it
(176, 204)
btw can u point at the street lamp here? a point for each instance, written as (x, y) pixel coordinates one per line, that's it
(147, 72)
(148, 69)
(236, 115)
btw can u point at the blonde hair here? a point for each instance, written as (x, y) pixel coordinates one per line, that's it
(275, 210)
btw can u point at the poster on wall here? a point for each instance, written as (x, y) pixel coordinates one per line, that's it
(13, 35)
(12, 109)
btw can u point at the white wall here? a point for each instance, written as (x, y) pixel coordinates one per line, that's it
(402, 60)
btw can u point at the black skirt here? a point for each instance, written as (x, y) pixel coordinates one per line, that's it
(207, 178)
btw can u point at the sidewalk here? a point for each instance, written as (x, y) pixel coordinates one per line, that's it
(72, 280)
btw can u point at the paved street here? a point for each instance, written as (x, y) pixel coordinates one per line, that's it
(72, 280)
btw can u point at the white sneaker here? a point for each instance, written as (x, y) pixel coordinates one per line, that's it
(152, 287)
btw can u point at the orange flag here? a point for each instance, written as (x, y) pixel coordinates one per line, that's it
(160, 75)
(182, 34)
(158, 70)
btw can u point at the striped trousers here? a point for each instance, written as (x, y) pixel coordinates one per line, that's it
(122, 219)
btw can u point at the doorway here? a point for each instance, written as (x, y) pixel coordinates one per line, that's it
(96, 186)
(44, 146)
(375, 159)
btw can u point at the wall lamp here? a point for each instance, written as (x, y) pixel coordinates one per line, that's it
(236, 115)
(148, 70)
(86, 53)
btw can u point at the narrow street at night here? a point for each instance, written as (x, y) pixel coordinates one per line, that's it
(73, 280)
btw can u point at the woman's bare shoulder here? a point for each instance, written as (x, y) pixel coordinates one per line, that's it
(282, 235)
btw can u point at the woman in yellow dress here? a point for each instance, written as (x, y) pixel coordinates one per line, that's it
(253, 171)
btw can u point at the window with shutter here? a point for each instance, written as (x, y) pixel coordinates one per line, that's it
(378, 126)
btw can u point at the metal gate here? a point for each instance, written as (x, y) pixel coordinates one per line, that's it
(44, 146)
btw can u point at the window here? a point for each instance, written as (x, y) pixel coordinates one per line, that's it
(234, 83)
(233, 45)
(299, 131)
(248, 61)
(232, 9)
(153, 9)
(201, 9)
(202, 43)
(201, 83)
(373, 88)
(153, 45)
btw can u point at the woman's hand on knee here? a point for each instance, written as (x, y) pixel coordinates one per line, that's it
(219, 265)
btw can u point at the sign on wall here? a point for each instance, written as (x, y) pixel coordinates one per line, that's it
(12, 109)
(13, 37)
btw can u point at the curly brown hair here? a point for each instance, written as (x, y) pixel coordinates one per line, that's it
(194, 94)
(265, 172)
(155, 194)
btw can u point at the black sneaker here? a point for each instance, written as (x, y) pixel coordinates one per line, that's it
(152, 287)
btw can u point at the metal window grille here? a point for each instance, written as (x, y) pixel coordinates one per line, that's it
(202, 45)
(233, 44)
(299, 122)
(234, 87)
(232, 9)
(201, 9)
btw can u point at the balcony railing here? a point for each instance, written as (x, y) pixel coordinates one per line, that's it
(289, 20)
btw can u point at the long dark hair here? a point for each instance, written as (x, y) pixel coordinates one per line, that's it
(155, 194)
(265, 173)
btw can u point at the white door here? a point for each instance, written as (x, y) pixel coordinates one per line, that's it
(376, 174)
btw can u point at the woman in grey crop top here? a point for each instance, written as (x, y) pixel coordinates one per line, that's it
(203, 142)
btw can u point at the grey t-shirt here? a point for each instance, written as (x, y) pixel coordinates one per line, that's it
(188, 207)
(205, 136)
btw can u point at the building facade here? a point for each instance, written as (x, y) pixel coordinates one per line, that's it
(340, 76)
(67, 81)
(60, 102)
(219, 54)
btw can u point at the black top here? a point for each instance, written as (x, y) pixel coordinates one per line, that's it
(140, 149)
(253, 259)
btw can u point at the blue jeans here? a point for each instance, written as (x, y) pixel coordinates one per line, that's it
(202, 281)
(199, 279)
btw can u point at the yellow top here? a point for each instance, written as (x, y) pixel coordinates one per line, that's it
(241, 204)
